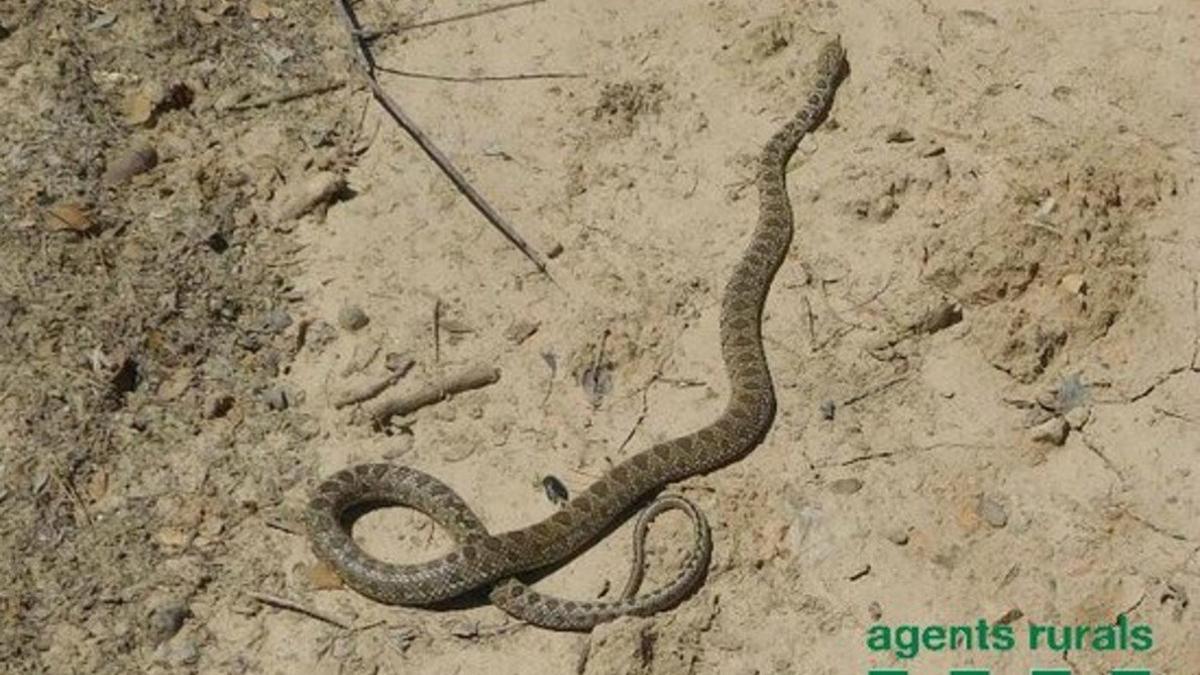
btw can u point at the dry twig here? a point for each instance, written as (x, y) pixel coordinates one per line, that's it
(284, 603)
(366, 391)
(366, 63)
(289, 96)
(472, 378)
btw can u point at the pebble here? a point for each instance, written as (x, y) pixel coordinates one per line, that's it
(940, 318)
(276, 398)
(897, 536)
(402, 444)
(1053, 431)
(845, 486)
(1073, 284)
(828, 409)
(398, 362)
(555, 251)
(899, 135)
(352, 318)
(458, 450)
(520, 331)
(455, 326)
(885, 207)
(992, 512)
(1077, 418)
(129, 164)
(166, 619)
(275, 321)
(303, 196)
(875, 611)
(1043, 213)
(185, 653)
(318, 335)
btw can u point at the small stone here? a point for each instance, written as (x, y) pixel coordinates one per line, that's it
(303, 196)
(402, 444)
(940, 318)
(454, 326)
(182, 654)
(828, 409)
(1073, 284)
(1046, 208)
(352, 318)
(1077, 418)
(259, 10)
(275, 321)
(317, 335)
(874, 611)
(129, 164)
(899, 135)
(166, 619)
(398, 362)
(465, 629)
(457, 452)
(1053, 431)
(276, 398)
(845, 486)
(555, 251)
(992, 512)
(884, 207)
(897, 536)
(520, 331)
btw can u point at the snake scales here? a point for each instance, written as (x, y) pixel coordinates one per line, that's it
(484, 559)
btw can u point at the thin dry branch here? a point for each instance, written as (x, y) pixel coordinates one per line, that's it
(290, 96)
(479, 78)
(284, 603)
(399, 28)
(472, 378)
(366, 63)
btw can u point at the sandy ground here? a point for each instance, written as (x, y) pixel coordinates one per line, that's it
(984, 338)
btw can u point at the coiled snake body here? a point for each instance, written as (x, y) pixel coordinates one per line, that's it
(483, 558)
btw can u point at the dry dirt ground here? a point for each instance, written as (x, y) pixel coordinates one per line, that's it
(984, 338)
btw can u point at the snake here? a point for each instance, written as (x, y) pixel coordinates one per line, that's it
(495, 562)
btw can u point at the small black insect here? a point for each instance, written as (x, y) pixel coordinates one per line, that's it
(556, 492)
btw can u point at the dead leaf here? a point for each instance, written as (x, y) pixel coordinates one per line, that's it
(322, 577)
(97, 485)
(139, 106)
(68, 216)
(259, 10)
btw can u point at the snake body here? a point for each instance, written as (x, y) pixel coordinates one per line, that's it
(484, 559)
